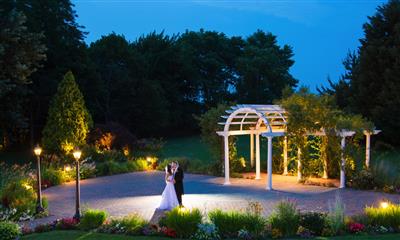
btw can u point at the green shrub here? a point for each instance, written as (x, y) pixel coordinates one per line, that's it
(131, 225)
(238, 164)
(388, 216)
(188, 165)
(183, 221)
(132, 166)
(142, 164)
(285, 218)
(364, 180)
(110, 168)
(110, 155)
(56, 176)
(336, 215)
(92, 218)
(9, 231)
(313, 221)
(19, 195)
(87, 170)
(231, 222)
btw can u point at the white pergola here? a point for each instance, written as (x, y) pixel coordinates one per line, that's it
(270, 121)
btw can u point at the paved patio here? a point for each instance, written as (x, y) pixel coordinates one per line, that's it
(140, 192)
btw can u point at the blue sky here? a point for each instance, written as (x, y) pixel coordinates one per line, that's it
(321, 32)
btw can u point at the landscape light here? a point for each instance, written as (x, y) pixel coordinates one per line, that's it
(384, 204)
(37, 150)
(77, 154)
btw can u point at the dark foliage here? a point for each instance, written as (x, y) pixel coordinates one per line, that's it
(371, 82)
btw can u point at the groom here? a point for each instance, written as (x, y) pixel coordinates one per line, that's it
(178, 181)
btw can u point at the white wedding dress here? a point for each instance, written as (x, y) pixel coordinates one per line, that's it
(168, 198)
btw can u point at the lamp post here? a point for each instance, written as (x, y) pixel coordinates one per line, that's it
(39, 208)
(77, 155)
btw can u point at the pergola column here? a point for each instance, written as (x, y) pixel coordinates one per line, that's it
(226, 149)
(343, 165)
(325, 156)
(258, 176)
(367, 149)
(299, 176)
(285, 156)
(269, 164)
(252, 150)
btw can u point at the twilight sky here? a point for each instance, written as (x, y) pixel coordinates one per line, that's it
(321, 32)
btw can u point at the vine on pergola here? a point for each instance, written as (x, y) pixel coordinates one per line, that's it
(309, 113)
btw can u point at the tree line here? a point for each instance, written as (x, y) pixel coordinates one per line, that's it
(154, 85)
(157, 84)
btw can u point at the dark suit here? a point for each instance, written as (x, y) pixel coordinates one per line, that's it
(179, 184)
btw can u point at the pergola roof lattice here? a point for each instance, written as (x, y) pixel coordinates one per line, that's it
(262, 118)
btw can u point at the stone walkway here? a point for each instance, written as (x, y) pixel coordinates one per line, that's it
(140, 193)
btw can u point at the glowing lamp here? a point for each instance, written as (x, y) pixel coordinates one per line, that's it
(148, 159)
(384, 205)
(77, 154)
(37, 150)
(67, 168)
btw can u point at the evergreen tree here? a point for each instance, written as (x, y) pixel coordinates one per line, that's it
(68, 121)
(21, 53)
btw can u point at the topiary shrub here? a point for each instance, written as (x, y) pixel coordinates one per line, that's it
(9, 231)
(92, 218)
(313, 221)
(183, 221)
(230, 223)
(285, 218)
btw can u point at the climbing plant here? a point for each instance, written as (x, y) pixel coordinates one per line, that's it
(310, 113)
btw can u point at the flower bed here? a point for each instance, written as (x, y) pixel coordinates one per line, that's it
(285, 221)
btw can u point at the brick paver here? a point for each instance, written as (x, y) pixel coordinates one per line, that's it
(140, 193)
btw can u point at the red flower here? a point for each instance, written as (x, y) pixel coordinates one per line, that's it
(168, 232)
(356, 227)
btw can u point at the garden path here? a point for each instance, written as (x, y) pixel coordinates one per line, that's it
(140, 192)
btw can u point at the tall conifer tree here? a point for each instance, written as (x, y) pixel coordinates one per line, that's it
(68, 121)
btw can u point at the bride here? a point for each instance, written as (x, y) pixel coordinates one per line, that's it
(169, 199)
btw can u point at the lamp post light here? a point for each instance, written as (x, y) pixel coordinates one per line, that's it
(39, 208)
(77, 155)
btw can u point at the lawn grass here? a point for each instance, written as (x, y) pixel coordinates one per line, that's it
(194, 148)
(80, 235)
